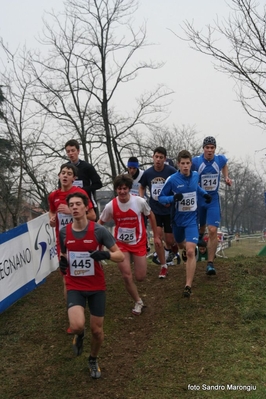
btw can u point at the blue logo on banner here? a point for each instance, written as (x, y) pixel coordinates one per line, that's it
(43, 246)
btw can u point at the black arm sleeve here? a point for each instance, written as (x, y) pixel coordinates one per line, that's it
(62, 238)
(91, 180)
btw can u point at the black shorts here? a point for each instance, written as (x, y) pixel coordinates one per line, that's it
(164, 221)
(96, 301)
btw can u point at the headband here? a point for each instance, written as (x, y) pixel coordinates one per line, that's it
(133, 164)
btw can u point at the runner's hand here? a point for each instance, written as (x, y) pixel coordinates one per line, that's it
(178, 197)
(100, 255)
(63, 265)
(208, 198)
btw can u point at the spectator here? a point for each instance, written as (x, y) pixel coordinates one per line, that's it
(202, 251)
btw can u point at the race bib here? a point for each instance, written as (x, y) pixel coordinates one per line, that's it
(156, 189)
(209, 182)
(64, 219)
(135, 189)
(127, 235)
(188, 202)
(81, 264)
(78, 183)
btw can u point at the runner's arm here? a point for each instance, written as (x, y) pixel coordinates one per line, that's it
(141, 191)
(52, 218)
(153, 224)
(225, 172)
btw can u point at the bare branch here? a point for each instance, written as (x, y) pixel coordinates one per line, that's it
(238, 46)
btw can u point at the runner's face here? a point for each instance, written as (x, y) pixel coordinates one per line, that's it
(66, 178)
(72, 153)
(131, 170)
(77, 207)
(184, 166)
(202, 250)
(209, 151)
(123, 193)
(158, 161)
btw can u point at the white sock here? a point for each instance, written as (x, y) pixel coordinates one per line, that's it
(166, 252)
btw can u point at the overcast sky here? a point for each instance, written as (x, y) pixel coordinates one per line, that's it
(203, 98)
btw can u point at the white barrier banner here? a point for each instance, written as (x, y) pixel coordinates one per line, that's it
(16, 268)
(44, 255)
(27, 255)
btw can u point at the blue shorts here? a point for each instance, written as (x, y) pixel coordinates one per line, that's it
(96, 301)
(188, 233)
(209, 214)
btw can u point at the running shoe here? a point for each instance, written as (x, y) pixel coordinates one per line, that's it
(170, 258)
(163, 272)
(138, 308)
(94, 368)
(184, 255)
(78, 344)
(178, 258)
(155, 259)
(210, 271)
(197, 253)
(187, 291)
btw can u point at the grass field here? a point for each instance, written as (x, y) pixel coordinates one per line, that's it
(249, 246)
(209, 346)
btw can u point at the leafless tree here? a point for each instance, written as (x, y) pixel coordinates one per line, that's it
(238, 45)
(242, 204)
(21, 126)
(173, 139)
(92, 53)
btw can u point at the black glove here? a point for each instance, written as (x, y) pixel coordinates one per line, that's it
(63, 265)
(100, 255)
(178, 197)
(208, 198)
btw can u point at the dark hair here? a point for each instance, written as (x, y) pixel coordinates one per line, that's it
(72, 143)
(124, 179)
(202, 244)
(160, 150)
(78, 194)
(184, 154)
(133, 159)
(69, 166)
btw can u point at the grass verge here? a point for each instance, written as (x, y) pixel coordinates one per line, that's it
(210, 346)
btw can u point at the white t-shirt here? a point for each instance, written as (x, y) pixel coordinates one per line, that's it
(137, 204)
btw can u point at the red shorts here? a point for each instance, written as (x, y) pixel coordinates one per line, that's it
(139, 250)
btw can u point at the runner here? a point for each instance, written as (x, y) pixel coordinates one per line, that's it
(128, 213)
(80, 263)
